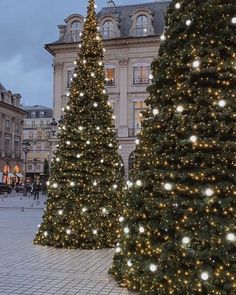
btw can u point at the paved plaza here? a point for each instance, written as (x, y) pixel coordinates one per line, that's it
(29, 269)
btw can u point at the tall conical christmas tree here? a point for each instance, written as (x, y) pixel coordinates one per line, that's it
(179, 226)
(86, 183)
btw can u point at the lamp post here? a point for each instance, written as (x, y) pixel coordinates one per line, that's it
(35, 161)
(53, 126)
(25, 149)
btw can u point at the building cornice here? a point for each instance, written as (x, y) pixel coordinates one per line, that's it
(55, 48)
(12, 108)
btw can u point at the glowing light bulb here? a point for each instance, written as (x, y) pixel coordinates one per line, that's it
(68, 107)
(88, 142)
(141, 229)
(186, 240)
(126, 230)
(68, 231)
(104, 91)
(129, 183)
(121, 219)
(92, 74)
(55, 185)
(72, 183)
(138, 182)
(233, 20)
(193, 138)
(222, 103)
(129, 263)
(80, 45)
(188, 22)
(58, 159)
(177, 5)
(68, 142)
(68, 94)
(60, 212)
(80, 128)
(78, 156)
(110, 144)
(75, 75)
(95, 231)
(75, 62)
(153, 267)
(39, 225)
(95, 183)
(150, 76)
(84, 209)
(137, 141)
(104, 210)
(209, 192)
(115, 186)
(45, 233)
(118, 249)
(168, 186)
(231, 237)
(205, 276)
(84, 61)
(100, 63)
(155, 112)
(163, 37)
(196, 64)
(101, 161)
(180, 109)
(48, 183)
(95, 104)
(81, 94)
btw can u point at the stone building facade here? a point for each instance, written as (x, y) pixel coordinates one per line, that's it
(11, 119)
(131, 37)
(37, 130)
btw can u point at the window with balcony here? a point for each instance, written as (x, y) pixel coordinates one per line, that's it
(76, 29)
(108, 29)
(141, 74)
(141, 26)
(110, 75)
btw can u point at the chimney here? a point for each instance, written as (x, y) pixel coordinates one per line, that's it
(110, 3)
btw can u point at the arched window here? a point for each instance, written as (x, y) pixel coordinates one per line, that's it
(76, 29)
(108, 29)
(131, 160)
(141, 25)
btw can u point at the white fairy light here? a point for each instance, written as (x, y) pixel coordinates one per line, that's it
(81, 94)
(180, 109)
(58, 159)
(104, 92)
(84, 61)
(55, 185)
(205, 275)
(129, 183)
(137, 141)
(68, 142)
(121, 219)
(97, 38)
(75, 62)
(95, 183)
(233, 20)
(60, 212)
(68, 94)
(186, 240)
(155, 112)
(72, 183)
(95, 231)
(153, 267)
(115, 186)
(110, 144)
(68, 231)
(188, 22)
(68, 107)
(231, 237)
(45, 233)
(39, 225)
(80, 128)
(92, 74)
(113, 117)
(129, 263)
(163, 37)
(48, 183)
(78, 156)
(141, 229)
(80, 45)
(222, 103)
(138, 182)
(150, 76)
(98, 128)
(209, 192)
(177, 5)
(196, 64)
(118, 249)
(95, 104)
(101, 161)
(100, 63)
(75, 75)
(84, 209)
(88, 142)
(168, 186)
(193, 138)
(126, 230)
(104, 210)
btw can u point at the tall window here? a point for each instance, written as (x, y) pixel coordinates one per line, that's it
(41, 114)
(141, 74)
(110, 75)
(7, 146)
(112, 105)
(17, 126)
(33, 114)
(107, 29)
(141, 26)
(69, 77)
(7, 124)
(138, 107)
(76, 29)
(17, 148)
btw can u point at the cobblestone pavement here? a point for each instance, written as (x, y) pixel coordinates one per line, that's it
(35, 270)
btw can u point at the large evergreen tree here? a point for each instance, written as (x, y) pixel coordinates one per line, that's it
(86, 183)
(179, 225)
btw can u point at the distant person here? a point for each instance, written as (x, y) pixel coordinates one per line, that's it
(36, 190)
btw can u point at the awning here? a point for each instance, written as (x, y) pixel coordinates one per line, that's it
(10, 174)
(19, 175)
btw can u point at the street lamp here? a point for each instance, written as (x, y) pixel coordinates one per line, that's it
(53, 126)
(25, 149)
(35, 161)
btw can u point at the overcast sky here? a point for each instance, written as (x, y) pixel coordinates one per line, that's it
(25, 26)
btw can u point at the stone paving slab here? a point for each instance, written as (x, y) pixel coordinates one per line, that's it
(35, 270)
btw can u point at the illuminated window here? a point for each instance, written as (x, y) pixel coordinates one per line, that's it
(138, 107)
(110, 75)
(141, 74)
(76, 29)
(141, 26)
(107, 29)
(69, 77)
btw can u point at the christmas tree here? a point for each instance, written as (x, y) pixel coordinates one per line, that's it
(86, 182)
(179, 225)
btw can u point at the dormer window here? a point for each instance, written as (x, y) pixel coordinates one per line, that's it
(76, 29)
(141, 26)
(108, 29)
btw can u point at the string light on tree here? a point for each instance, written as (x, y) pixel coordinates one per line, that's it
(60, 212)
(177, 5)
(205, 275)
(233, 20)
(126, 230)
(222, 103)
(155, 112)
(196, 64)
(153, 267)
(68, 231)
(129, 263)
(95, 231)
(209, 192)
(141, 229)
(168, 186)
(185, 241)
(193, 138)
(231, 237)
(188, 22)
(180, 109)
(138, 182)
